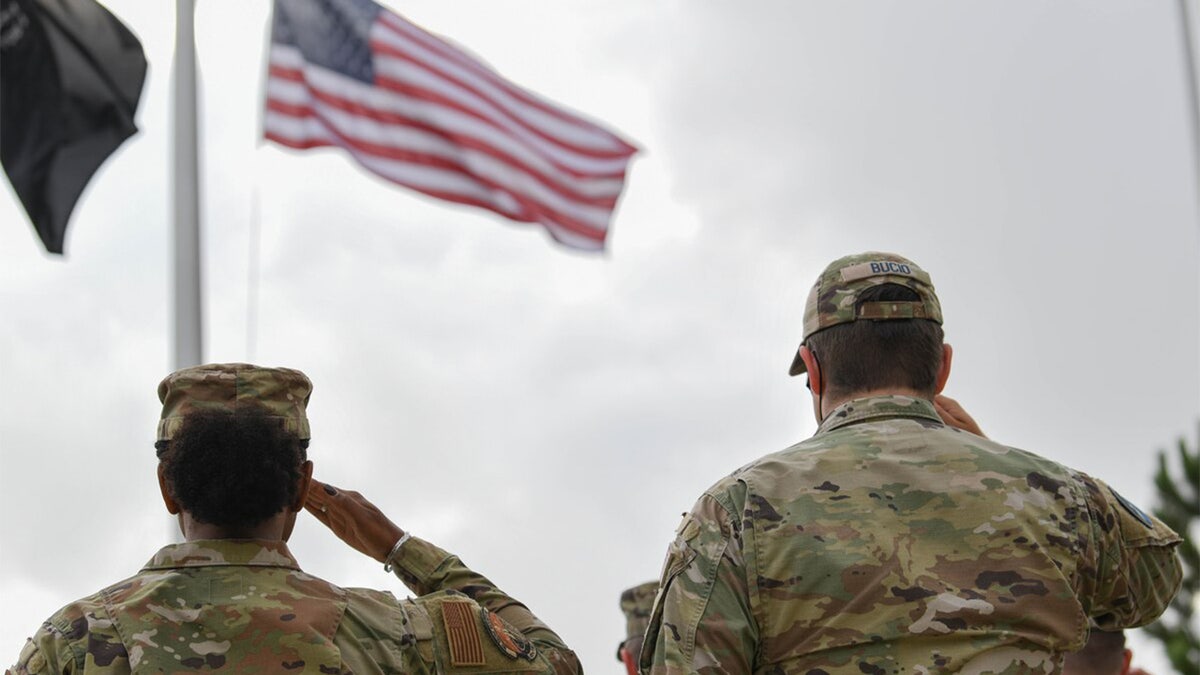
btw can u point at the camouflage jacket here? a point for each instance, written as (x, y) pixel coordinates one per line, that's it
(891, 543)
(245, 606)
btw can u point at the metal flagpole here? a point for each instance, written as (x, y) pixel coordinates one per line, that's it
(1189, 19)
(186, 198)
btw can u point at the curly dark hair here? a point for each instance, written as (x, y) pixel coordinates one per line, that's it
(866, 355)
(233, 470)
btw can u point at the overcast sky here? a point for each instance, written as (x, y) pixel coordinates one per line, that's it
(548, 414)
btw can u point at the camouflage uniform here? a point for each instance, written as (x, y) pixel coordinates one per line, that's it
(245, 606)
(892, 543)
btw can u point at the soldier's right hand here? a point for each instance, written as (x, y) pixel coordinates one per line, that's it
(953, 415)
(353, 518)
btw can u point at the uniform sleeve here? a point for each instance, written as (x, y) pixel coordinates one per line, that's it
(425, 569)
(702, 621)
(1137, 572)
(52, 651)
(30, 662)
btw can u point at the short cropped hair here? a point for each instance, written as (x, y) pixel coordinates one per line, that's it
(233, 470)
(868, 355)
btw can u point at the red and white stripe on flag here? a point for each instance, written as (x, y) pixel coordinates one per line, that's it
(436, 120)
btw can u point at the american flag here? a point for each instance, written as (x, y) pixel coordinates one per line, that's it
(420, 112)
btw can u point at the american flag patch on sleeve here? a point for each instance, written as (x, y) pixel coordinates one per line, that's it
(462, 633)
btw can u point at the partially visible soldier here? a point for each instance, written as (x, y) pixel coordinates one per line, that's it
(232, 445)
(891, 541)
(636, 604)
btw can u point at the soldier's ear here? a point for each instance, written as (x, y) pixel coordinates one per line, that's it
(168, 499)
(944, 369)
(816, 380)
(306, 470)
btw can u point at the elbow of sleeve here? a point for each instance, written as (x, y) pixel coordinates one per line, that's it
(564, 662)
(1163, 577)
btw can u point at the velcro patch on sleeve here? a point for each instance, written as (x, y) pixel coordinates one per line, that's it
(507, 639)
(1133, 510)
(462, 634)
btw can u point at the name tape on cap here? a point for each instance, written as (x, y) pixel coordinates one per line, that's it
(883, 267)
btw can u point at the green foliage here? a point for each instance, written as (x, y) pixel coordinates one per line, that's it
(1179, 508)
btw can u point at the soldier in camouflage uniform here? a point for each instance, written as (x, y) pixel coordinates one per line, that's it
(891, 541)
(233, 467)
(636, 604)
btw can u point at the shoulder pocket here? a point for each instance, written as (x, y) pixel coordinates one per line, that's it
(31, 660)
(680, 555)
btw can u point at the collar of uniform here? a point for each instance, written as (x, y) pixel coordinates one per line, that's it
(209, 552)
(876, 407)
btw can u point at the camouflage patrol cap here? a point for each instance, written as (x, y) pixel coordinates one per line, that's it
(834, 298)
(636, 604)
(225, 387)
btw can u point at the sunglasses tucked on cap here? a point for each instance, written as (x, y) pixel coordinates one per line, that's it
(834, 298)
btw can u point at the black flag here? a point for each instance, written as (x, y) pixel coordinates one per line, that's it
(71, 75)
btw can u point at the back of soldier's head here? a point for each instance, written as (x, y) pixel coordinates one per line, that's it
(1104, 654)
(873, 322)
(232, 441)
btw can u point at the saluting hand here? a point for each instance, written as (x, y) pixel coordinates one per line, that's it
(353, 519)
(953, 414)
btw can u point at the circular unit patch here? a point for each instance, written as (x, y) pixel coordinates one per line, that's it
(507, 639)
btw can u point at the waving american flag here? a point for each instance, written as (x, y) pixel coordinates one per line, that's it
(420, 112)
